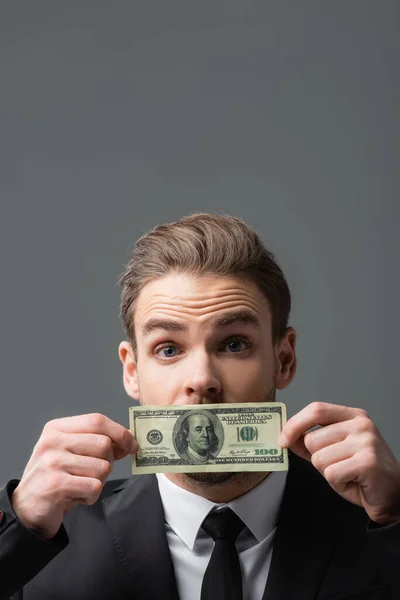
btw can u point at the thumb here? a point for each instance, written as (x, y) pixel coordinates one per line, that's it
(120, 452)
(298, 447)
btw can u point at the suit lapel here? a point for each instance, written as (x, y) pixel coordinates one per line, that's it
(135, 518)
(305, 536)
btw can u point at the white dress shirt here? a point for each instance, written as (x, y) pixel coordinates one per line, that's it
(191, 547)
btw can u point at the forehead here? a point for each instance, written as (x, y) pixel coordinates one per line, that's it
(198, 298)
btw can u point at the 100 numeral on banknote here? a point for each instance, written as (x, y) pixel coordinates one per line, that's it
(208, 438)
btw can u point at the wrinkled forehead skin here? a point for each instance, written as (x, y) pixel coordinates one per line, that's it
(199, 299)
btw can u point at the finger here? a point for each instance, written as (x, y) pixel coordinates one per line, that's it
(89, 444)
(85, 444)
(335, 453)
(299, 448)
(100, 424)
(86, 466)
(326, 436)
(92, 444)
(352, 470)
(119, 453)
(76, 488)
(317, 413)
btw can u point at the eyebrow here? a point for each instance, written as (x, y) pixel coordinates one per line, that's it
(164, 324)
(243, 316)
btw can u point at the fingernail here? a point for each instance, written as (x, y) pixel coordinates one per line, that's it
(134, 447)
(282, 440)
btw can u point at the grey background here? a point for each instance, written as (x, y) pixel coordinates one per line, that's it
(115, 116)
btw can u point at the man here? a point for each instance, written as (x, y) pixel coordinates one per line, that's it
(205, 308)
(196, 440)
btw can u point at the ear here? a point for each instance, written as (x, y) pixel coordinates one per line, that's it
(130, 375)
(286, 361)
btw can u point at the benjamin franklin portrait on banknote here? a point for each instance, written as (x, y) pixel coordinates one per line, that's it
(196, 440)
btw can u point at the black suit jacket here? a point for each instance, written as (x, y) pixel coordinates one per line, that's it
(325, 548)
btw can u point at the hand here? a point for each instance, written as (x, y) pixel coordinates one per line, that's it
(349, 451)
(69, 465)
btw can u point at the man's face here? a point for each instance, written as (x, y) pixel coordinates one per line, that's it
(199, 434)
(205, 339)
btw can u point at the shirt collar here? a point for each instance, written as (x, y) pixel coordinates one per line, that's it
(185, 511)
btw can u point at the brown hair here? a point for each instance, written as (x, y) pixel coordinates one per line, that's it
(200, 244)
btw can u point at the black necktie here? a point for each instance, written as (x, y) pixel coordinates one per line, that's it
(223, 579)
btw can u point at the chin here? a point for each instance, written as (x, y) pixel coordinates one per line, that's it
(208, 479)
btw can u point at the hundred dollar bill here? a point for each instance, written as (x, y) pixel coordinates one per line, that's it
(208, 438)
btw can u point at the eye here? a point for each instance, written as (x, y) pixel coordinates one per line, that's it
(166, 352)
(237, 345)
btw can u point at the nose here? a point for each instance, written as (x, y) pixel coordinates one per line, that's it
(202, 383)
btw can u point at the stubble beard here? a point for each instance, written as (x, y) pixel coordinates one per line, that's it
(211, 479)
(207, 480)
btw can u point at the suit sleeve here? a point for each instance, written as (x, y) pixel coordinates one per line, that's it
(23, 554)
(387, 535)
(386, 540)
